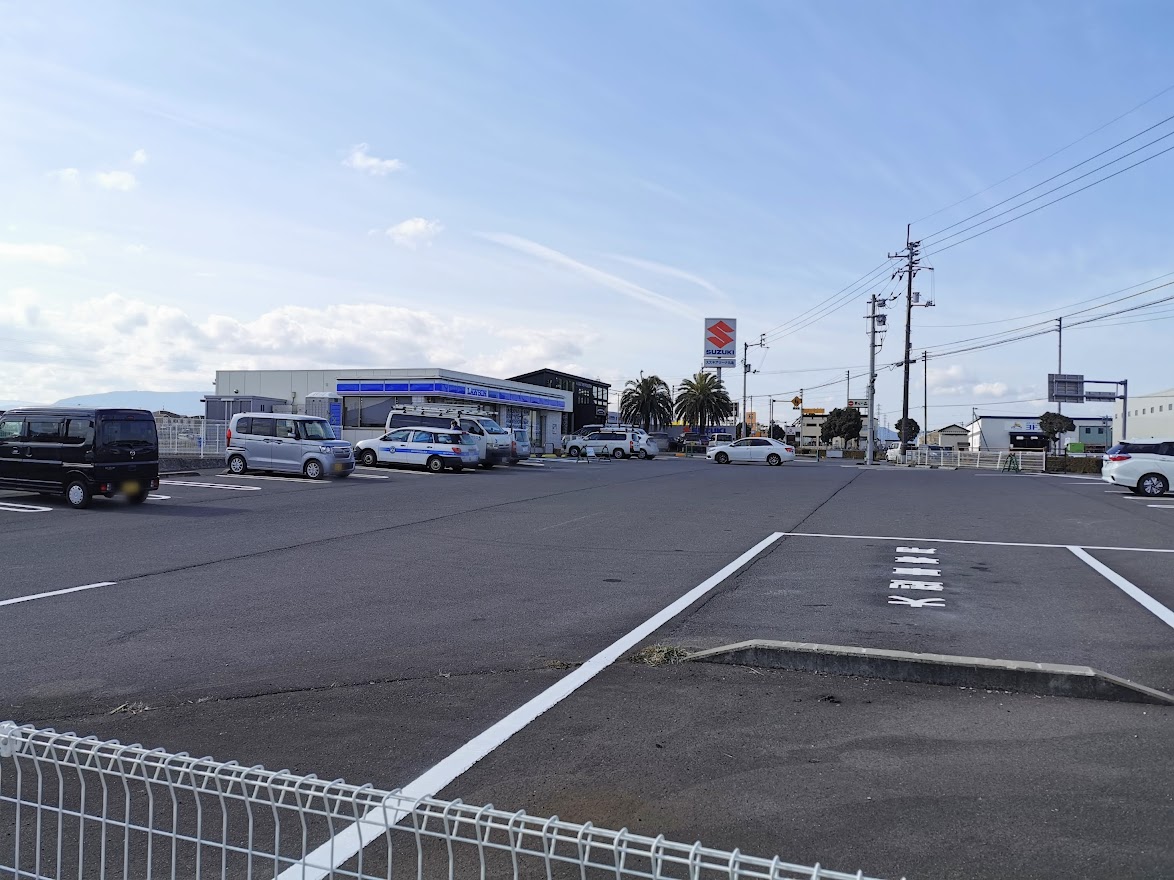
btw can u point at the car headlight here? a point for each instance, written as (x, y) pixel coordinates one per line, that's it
(324, 449)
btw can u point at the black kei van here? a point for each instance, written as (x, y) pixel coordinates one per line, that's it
(79, 452)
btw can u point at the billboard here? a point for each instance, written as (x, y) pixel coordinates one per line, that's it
(861, 405)
(721, 345)
(1066, 387)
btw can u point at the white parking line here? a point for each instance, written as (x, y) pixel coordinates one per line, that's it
(960, 541)
(1148, 602)
(369, 477)
(158, 497)
(210, 485)
(36, 596)
(14, 507)
(267, 477)
(343, 846)
(1163, 506)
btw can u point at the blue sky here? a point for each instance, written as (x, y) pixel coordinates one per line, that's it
(498, 187)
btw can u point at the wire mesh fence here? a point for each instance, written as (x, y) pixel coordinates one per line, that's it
(194, 438)
(84, 808)
(1024, 462)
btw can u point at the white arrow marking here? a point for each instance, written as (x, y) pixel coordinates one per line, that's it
(930, 602)
(932, 572)
(929, 560)
(916, 550)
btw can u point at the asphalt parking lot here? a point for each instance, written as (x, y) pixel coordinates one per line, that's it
(371, 627)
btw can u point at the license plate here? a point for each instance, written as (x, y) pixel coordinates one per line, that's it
(131, 487)
(338, 468)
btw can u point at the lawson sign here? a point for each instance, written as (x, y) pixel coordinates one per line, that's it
(721, 342)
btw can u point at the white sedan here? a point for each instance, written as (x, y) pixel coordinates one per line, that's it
(752, 449)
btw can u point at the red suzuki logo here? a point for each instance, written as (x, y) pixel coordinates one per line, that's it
(719, 335)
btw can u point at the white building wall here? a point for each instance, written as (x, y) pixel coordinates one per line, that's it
(1150, 415)
(993, 432)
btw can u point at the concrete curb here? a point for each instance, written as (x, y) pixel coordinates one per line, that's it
(1051, 679)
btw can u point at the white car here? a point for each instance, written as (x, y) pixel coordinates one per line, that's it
(1145, 467)
(617, 444)
(752, 449)
(432, 448)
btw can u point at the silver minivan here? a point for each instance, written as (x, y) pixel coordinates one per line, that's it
(286, 443)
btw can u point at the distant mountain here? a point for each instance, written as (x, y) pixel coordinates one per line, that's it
(13, 404)
(184, 403)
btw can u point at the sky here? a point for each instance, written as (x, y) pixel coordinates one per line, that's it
(499, 187)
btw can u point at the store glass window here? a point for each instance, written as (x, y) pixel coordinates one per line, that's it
(369, 412)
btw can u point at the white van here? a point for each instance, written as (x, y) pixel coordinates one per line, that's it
(495, 444)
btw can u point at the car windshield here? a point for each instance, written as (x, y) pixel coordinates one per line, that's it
(128, 432)
(492, 427)
(317, 430)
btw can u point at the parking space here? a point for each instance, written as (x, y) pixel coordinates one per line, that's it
(378, 626)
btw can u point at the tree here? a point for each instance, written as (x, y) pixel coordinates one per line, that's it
(1055, 424)
(647, 401)
(907, 432)
(778, 432)
(703, 400)
(843, 423)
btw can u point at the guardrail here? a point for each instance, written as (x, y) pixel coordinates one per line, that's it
(1024, 462)
(191, 437)
(79, 807)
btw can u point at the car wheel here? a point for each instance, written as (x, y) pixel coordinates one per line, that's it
(138, 497)
(370, 459)
(488, 465)
(642, 454)
(773, 459)
(721, 458)
(573, 452)
(237, 465)
(434, 464)
(78, 495)
(1153, 485)
(617, 453)
(458, 468)
(313, 469)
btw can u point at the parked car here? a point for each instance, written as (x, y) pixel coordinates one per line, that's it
(752, 449)
(521, 445)
(577, 435)
(720, 440)
(1145, 467)
(617, 444)
(494, 443)
(662, 440)
(689, 439)
(80, 452)
(422, 446)
(286, 443)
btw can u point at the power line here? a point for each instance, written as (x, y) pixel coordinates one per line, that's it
(1053, 154)
(842, 296)
(935, 234)
(1046, 204)
(1048, 311)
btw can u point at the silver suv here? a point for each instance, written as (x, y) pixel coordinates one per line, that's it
(617, 444)
(286, 443)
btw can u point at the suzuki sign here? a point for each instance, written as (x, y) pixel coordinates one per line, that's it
(721, 346)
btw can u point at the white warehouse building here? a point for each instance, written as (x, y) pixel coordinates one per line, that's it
(359, 401)
(1150, 415)
(1000, 433)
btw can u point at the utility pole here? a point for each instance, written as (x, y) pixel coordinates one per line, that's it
(847, 387)
(1059, 355)
(761, 343)
(875, 319)
(925, 394)
(912, 266)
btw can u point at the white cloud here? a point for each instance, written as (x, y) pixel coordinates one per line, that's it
(119, 180)
(991, 389)
(671, 272)
(361, 160)
(68, 176)
(111, 342)
(50, 254)
(135, 249)
(621, 285)
(139, 157)
(414, 232)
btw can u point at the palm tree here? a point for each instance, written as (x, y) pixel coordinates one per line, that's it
(648, 401)
(703, 400)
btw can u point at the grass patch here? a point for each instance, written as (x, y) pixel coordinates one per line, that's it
(659, 655)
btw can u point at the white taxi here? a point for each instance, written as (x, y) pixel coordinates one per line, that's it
(431, 448)
(752, 449)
